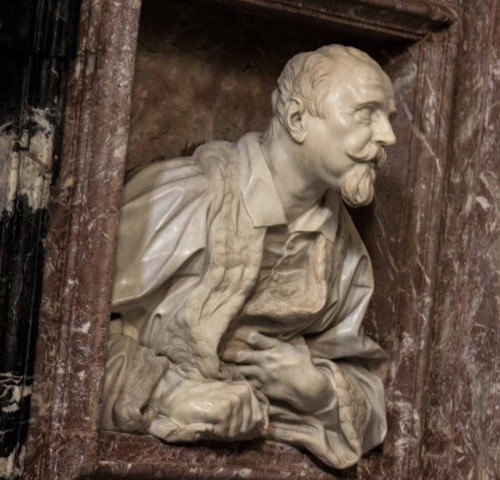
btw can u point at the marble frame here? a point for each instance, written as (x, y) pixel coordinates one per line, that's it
(64, 440)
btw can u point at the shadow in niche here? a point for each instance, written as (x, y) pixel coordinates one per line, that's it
(364, 217)
(203, 73)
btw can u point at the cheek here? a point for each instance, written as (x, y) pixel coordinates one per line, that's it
(358, 139)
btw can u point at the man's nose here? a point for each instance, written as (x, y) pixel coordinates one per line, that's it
(382, 132)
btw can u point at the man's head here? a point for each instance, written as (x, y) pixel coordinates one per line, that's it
(335, 103)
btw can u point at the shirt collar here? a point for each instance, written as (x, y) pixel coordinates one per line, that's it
(262, 200)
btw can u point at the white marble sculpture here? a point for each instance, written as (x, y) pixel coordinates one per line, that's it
(241, 281)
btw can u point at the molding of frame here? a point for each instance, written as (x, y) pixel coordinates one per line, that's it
(411, 20)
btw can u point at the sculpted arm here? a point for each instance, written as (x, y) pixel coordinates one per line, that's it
(160, 258)
(326, 385)
(284, 371)
(146, 260)
(355, 422)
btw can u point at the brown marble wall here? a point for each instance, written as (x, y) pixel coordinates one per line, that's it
(63, 432)
(462, 426)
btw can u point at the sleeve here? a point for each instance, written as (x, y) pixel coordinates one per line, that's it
(162, 228)
(163, 222)
(355, 421)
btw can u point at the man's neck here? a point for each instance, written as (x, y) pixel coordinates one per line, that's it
(297, 188)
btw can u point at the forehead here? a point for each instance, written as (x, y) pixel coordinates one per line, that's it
(358, 83)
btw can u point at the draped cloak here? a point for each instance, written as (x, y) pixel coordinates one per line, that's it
(190, 281)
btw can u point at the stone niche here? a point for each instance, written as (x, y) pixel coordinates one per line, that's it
(187, 73)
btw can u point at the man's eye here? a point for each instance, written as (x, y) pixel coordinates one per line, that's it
(364, 115)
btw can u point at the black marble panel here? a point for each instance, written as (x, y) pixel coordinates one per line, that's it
(36, 38)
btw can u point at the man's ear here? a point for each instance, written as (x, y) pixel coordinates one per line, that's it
(294, 118)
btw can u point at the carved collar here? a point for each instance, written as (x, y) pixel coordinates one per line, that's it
(263, 203)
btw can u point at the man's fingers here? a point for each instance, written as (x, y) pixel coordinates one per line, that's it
(261, 342)
(251, 372)
(255, 420)
(236, 417)
(254, 383)
(230, 356)
(247, 413)
(246, 357)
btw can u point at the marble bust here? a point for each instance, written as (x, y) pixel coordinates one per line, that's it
(241, 282)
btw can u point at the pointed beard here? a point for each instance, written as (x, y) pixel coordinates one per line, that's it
(357, 186)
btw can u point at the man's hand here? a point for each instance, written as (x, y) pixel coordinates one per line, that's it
(227, 410)
(283, 371)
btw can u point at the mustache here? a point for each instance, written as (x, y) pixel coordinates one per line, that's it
(373, 153)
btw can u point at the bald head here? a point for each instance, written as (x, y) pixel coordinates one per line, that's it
(308, 76)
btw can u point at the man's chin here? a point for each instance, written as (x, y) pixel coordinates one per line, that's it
(358, 200)
(357, 188)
